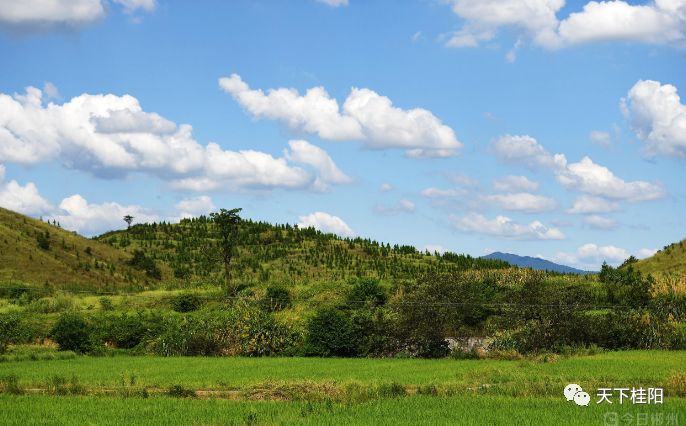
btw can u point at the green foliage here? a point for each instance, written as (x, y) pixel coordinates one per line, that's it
(367, 292)
(186, 302)
(276, 298)
(242, 330)
(329, 333)
(72, 333)
(142, 262)
(123, 330)
(440, 306)
(12, 330)
(226, 222)
(626, 286)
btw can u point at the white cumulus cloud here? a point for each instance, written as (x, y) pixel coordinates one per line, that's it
(526, 150)
(77, 214)
(594, 179)
(194, 207)
(326, 222)
(503, 226)
(658, 117)
(306, 153)
(654, 22)
(36, 15)
(365, 116)
(109, 135)
(24, 199)
(584, 176)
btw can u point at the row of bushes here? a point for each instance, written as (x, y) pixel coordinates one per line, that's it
(535, 315)
(242, 330)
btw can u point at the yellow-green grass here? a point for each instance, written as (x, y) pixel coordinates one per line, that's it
(413, 410)
(513, 378)
(70, 260)
(670, 260)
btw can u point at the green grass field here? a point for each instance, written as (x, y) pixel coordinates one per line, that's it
(109, 390)
(413, 410)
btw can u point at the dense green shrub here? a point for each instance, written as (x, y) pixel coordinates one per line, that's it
(276, 298)
(72, 333)
(626, 286)
(242, 330)
(122, 330)
(329, 333)
(367, 292)
(12, 330)
(187, 302)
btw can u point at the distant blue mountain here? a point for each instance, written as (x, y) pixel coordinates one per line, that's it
(534, 263)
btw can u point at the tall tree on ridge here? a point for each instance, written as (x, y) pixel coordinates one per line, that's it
(226, 222)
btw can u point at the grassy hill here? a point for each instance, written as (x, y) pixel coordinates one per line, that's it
(280, 253)
(671, 259)
(38, 253)
(186, 254)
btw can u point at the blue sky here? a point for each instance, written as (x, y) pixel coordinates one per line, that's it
(540, 128)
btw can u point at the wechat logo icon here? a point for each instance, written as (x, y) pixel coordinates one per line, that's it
(573, 392)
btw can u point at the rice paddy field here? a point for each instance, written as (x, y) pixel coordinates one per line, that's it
(177, 390)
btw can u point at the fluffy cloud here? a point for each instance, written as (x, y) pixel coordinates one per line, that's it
(194, 207)
(590, 256)
(661, 22)
(77, 214)
(30, 15)
(306, 153)
(402, 206)
(526, 150)
(334, 3)
(111, 135)
(658, 117)
(23, 199)
(365, 116)
(535, 18)
(514, 183)
(658, 22)
(503, 226)
(645, 252)
(326, 223)
(594, 179)
(522, 201)
(584, 176)
(600, 222)
(589, 204)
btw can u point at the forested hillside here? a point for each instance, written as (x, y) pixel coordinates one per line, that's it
(285, 253)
